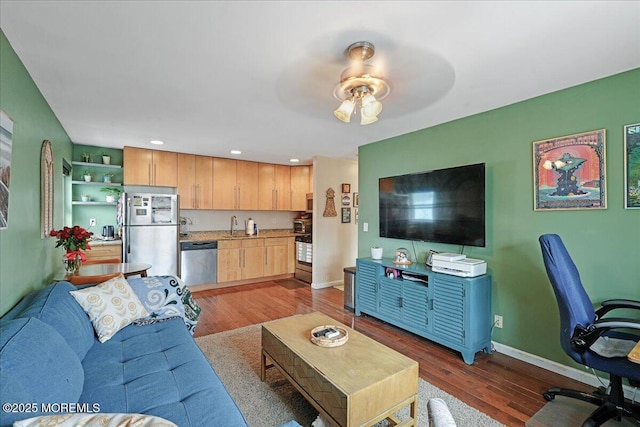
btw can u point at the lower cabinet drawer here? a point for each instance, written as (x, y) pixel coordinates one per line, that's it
(104, 252)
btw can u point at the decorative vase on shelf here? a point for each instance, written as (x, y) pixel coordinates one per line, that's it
(106, 160)
(72, 262)
(376, 252)
(87, 178)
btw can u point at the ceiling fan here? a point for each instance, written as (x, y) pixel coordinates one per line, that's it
(361, 85)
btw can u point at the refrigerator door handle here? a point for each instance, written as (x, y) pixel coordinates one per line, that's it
(127, 231)
(174, 210)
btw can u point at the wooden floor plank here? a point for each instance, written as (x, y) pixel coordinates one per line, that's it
(502, 387)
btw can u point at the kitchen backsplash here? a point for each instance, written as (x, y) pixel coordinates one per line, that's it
(204, 220)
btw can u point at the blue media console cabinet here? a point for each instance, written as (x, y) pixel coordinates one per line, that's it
(450, 310)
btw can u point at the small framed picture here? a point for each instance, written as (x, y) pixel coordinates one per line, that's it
(355, 200)
(346, 188)
(346, 215)
(430, 257)
(346, 200)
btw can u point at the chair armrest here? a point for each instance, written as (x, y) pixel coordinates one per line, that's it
(613, 304)
(583, 337)
(616, 323)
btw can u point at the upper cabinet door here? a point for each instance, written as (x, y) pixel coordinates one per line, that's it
(247, 184)
(283, 188)
(187, 181)
(138, 166)
(150, 167)
(224, 183)
(266, 187)
(204, 182)
(165, 168)
(300, 186)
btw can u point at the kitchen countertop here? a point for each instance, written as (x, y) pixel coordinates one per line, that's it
(100, 242)
(197, 236)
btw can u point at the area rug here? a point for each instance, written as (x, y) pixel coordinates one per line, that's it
(564, 411)
(235, 356)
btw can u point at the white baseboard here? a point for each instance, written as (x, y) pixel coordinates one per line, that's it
(315, 285)
(585, 376)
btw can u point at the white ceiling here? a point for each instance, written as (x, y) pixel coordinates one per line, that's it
(210, 76)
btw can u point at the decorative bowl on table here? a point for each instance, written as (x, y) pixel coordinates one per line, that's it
(332, 341)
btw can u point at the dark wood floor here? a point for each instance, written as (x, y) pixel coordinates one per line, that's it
(504, 388)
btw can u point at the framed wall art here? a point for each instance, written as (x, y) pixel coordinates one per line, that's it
(632, 166)
(46, 189)
(356, 200)
(346, 215)
(346, 188)
(569, 172)
(6, 143)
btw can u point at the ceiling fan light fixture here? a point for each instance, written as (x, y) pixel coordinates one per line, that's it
(366, 119)
(360, 84)
(370, 105)
(345, 110)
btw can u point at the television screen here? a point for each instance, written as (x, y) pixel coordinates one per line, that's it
(445, 206)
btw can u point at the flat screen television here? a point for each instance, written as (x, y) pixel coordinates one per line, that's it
(444, 205)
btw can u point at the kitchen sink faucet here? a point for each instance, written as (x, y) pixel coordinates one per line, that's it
(234, 221)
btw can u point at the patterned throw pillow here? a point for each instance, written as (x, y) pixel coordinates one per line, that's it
(102, 420)
(165, 297)
(111, 306)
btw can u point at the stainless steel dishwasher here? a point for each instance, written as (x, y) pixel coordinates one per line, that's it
(199, 262)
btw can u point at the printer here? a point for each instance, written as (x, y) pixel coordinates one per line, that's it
(458, 265)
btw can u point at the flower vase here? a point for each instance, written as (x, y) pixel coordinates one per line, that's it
(73, 264)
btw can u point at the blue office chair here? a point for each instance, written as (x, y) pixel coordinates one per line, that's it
(581, 326)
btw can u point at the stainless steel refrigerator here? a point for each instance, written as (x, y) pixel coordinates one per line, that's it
(150, 232)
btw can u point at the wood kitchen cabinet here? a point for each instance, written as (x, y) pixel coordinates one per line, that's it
(195, 181)
(278, 255)
(274, 187)
(102, 252)
(224, 183)
(235, 184)
(150, 167)
(300, 186)
(247, 185)
(240, 259)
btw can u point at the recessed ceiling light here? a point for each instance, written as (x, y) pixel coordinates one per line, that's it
(156, 142)
(294, 160)
(236, 152)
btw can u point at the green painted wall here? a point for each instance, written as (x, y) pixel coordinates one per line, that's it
(605, 244)
(27, 261)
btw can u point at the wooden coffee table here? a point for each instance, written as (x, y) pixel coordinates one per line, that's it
(634, 354)
(357, 384)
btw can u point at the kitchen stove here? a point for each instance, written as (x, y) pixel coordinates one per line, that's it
(304, 257)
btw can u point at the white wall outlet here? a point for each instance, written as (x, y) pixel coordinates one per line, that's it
(365, 226)
(497, 321)
(92, 222)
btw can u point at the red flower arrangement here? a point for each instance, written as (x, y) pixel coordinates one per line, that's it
(74, 240)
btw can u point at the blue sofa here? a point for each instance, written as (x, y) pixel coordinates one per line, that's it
(51, 360)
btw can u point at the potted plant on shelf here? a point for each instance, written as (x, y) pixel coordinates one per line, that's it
(85, 197)
(112, 193)
(107, 177)
(106, 158)
(87, 175)
(86, 157)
